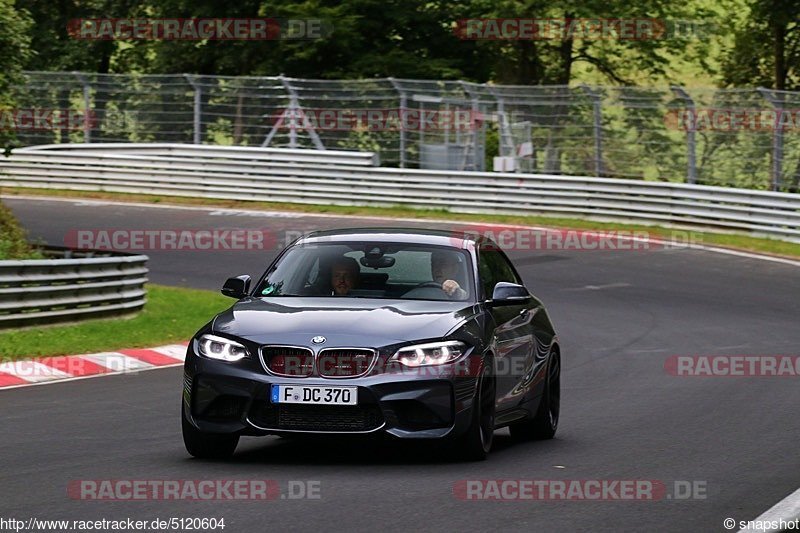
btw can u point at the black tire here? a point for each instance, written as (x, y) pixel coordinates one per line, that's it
(207, 445)
(476, 442)
(544, 424)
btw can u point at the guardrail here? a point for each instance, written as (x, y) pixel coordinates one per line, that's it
(206, 151)
(70, 286)
(761, 212)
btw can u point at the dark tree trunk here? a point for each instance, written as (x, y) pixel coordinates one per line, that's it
(779, 50)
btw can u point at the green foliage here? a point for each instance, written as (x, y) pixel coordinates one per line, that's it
(13, 243)
(417, 39)
(766, 50)
(409, 38)
(400, 38)
(492, 145)
(621, 61)
(15, 27)
(55, 49)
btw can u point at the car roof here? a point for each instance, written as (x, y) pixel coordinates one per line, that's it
(436, 237)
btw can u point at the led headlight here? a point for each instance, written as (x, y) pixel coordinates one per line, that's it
(433, 353)
(221, 348)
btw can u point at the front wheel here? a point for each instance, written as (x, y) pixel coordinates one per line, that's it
(207, 445)
(476, 443)
(544, 424)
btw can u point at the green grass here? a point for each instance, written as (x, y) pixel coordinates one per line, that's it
(737, 241)
(170, 315)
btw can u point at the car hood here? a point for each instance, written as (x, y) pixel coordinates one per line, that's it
(351, 322)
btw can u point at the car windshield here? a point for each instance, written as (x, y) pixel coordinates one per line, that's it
(371, 270)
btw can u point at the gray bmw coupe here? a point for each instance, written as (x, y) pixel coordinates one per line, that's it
(419, 334)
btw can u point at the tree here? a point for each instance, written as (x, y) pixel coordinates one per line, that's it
(766, 50)
(56, 49)
(365, 38)
(623, 61)
(374, 38)
(15, 44)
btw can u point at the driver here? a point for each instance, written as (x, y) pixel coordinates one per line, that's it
(344, 276)
(444, 268)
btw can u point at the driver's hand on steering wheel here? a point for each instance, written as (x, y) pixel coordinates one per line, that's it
(450, 287)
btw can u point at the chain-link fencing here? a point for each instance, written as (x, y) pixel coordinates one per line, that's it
(735, 137)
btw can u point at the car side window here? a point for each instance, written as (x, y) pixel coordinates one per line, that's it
(494, 267)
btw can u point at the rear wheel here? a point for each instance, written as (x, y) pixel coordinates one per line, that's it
(476, 443)
(207, 445)
(545, 423)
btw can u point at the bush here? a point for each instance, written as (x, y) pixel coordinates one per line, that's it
(13, 243)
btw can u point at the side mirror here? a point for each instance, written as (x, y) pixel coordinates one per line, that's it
(509, 294)
(237, 287)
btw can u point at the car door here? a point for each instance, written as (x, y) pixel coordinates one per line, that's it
(513, 337)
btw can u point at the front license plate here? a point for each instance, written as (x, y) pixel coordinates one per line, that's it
(314, 394)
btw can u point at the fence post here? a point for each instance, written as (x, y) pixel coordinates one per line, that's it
(506, 138)
(776, 99)
(87, 102)
(295, 112)
(691, 141)
(294, 105)
(403, 111)
(597, 119)
(198, 90)
(476, 140)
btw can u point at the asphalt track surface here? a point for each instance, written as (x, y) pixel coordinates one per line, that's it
(619, 315)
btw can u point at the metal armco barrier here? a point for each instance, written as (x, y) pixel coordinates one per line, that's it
(206, 151)
(47, 290)
(761, 212)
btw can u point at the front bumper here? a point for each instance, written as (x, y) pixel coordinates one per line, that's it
(222, 397)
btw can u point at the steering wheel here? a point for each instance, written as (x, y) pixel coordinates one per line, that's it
(430, 290)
